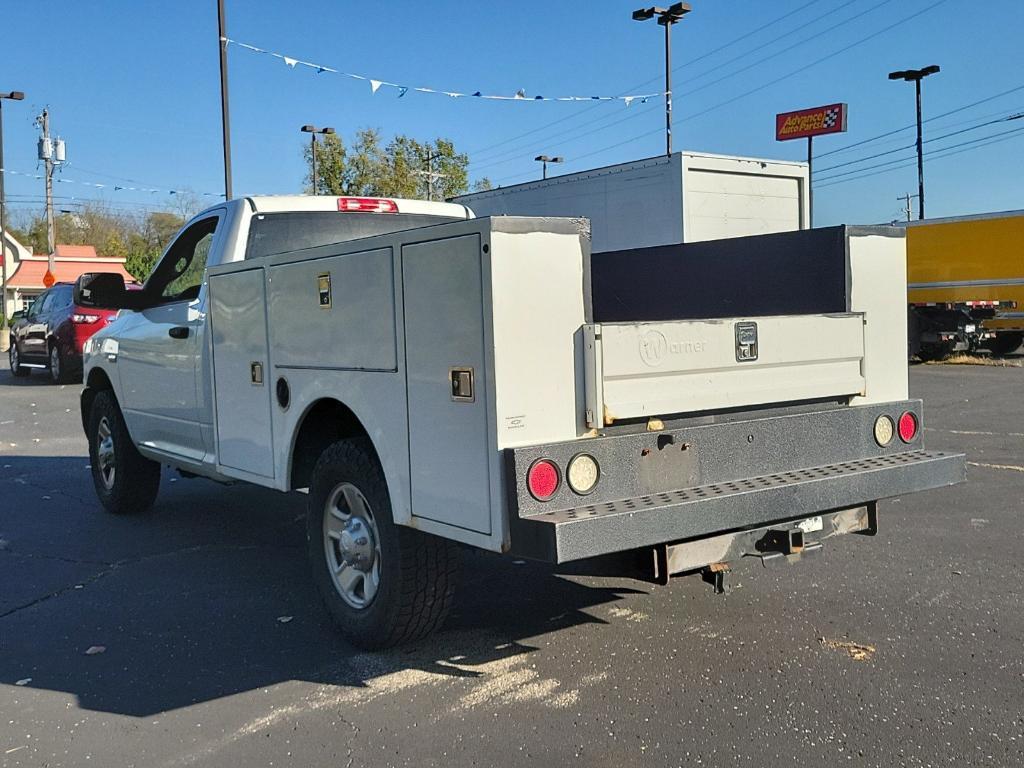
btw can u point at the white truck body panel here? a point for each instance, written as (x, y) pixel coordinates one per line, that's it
(684, 198)
(685, 366)
(878, 280)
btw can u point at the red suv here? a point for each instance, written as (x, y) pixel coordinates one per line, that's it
(51, 332)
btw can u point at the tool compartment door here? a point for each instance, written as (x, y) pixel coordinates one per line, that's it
(241, 372)
(449, 456)
(686, 366)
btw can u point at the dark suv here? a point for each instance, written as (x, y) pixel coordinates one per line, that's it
(50, 334)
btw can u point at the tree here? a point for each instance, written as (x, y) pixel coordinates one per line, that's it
(404, 167)
(482, 185)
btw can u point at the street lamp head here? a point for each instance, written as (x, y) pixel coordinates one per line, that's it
(643, 14)
(910, 75)
(542, 159)
(327, 131)
(309, 129)
(557, 160)
(13, 95)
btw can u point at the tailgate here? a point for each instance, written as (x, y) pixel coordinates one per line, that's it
(637, 370)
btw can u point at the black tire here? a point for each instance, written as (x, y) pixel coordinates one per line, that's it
(1005, 343)
(133, 484)
(58, 365)
(14, 358)
(934, 352)
(417, 571)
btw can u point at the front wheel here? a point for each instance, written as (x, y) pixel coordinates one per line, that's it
(382, 583)
(126, 482)
(14, 358)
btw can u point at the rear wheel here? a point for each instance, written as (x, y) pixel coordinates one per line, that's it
(126, 482)
(382, 583)
(14, 358)
(58, 366)
(1002, 344)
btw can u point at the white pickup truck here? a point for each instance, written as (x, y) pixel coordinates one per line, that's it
(433, 379)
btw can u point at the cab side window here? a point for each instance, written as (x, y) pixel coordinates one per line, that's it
(179, 275)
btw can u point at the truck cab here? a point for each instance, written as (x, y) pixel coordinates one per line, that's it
(157, 358)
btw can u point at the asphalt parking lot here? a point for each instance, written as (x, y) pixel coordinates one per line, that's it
(904, 649)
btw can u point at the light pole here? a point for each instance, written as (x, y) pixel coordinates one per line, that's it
(312, 130)
(545, 160)
(666, 17)
(916, 76)
(225, 118)
(4, 332)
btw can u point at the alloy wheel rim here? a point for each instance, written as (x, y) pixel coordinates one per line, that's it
(14, 357)
(55, 363)
(105, 453)
(352, 545)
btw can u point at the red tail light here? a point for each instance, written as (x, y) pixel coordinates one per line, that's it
(543, 479)
(908, 427)
(83, 319)
(367, 204)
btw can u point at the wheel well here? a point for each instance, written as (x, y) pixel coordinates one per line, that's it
(98, 381)
(326, 422)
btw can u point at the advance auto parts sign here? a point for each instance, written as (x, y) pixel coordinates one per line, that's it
(810, 122)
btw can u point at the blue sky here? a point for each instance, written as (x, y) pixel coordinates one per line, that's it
(133, 88)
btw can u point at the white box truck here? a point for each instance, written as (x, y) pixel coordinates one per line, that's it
(683, 198)
(456, 383)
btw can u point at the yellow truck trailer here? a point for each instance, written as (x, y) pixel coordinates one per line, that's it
(965, 278)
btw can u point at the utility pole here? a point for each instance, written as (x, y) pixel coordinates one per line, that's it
(916, 76)
(666, 17)
(4, 337)
(906, 199)
(46, 155)
(225, 118)
(429, 174)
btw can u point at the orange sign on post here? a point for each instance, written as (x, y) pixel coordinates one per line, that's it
(48, 279)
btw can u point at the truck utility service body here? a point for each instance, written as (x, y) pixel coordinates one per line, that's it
(480, 381)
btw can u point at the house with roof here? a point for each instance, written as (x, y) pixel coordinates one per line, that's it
(25, 271)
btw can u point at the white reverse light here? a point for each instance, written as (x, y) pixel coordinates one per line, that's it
(884, 430)
(583, 473)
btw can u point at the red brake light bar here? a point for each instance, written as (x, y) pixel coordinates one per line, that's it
(367, 204)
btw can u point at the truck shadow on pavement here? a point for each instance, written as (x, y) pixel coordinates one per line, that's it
(208, 595)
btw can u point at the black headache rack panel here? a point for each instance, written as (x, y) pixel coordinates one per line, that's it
(788, 273)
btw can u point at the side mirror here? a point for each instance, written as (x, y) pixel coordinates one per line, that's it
(104, 290)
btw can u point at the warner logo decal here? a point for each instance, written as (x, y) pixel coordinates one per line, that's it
(816, 121)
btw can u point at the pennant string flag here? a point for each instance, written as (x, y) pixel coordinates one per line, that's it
(376, 83)
(115, 188)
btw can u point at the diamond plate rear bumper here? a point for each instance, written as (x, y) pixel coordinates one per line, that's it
(586, 530)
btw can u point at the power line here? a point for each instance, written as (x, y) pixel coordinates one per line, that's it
(1017, 116)
(797, 44)
(963, 146)
(496, 160)
(579, 114)
(928, 120)
(844, 49)
(776, 80)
